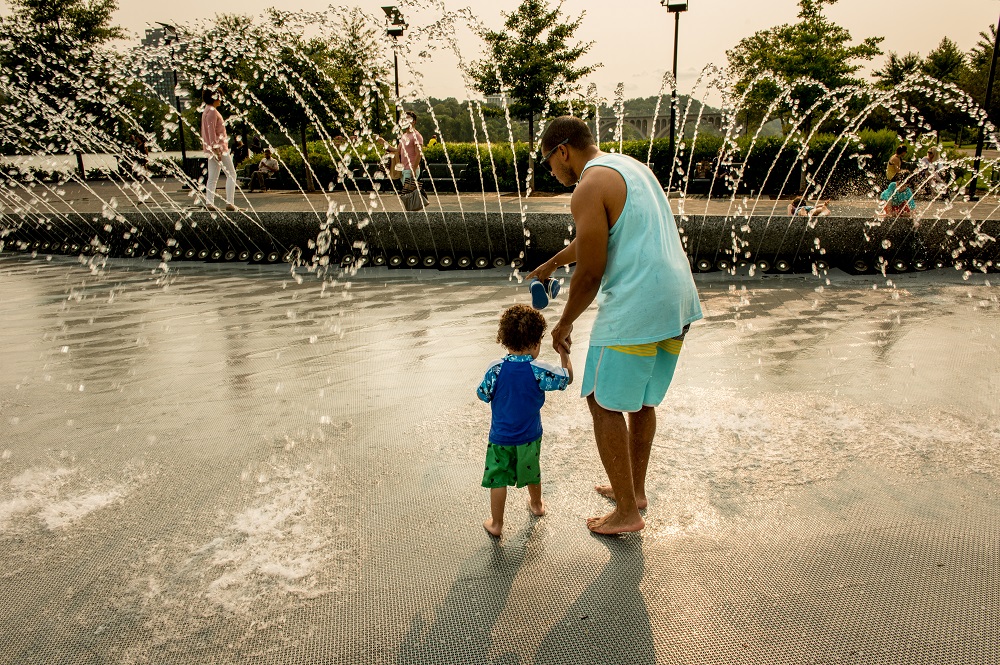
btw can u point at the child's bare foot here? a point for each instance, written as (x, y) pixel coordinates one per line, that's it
(537, 509)
(493, 529)
(605, 490)
(613, 523)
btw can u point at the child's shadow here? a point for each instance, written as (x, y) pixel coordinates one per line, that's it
(609, 622)
(462, 628)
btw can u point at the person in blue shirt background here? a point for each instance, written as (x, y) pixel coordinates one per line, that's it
(515, 386)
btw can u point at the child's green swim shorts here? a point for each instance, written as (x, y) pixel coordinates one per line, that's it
(513, 465)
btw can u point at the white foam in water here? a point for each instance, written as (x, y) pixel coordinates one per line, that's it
(65, 512)
(55, 496)
(32, 490)
(273, 548)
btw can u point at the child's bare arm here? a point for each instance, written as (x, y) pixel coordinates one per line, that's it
(567, 363)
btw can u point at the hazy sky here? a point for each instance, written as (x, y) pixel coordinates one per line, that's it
(634, 38)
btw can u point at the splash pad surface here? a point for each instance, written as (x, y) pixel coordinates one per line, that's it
(223, 464)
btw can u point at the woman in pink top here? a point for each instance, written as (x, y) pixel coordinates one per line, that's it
(410, 147)
(215, 142)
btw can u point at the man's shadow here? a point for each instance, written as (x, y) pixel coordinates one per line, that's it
(462, 627)
(609, 622)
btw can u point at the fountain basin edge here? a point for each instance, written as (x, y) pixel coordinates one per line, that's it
(435, 239)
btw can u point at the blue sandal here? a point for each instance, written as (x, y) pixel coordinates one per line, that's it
(542, 293)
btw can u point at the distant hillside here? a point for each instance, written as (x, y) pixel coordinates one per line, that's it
(647, 105)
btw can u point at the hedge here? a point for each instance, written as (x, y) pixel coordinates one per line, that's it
(765, 165)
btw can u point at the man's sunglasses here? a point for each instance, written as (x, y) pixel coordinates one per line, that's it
(545, 159)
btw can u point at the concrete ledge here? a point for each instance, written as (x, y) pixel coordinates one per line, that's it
(452, 239)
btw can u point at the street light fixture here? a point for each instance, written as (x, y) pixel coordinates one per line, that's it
(675, 7)
(395, 24)
(169, 37)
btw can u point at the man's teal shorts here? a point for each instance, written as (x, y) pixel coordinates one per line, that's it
(627, 378)
(513, 465)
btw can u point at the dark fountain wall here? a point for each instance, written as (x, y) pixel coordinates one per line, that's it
(479, 240)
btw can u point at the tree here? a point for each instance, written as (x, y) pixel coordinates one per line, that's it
(978, 71)
(891, 77)
(48, 48)
(280, 81)
(531, 60)
(896, 69)
(946, 63)
(813, 48)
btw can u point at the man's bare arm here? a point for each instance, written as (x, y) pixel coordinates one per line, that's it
(589, 207)
(564, 257)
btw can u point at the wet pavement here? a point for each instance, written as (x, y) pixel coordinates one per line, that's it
(235, 464)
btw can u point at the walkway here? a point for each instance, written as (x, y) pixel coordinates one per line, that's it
(97, 195)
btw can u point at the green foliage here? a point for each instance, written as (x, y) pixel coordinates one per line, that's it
(50, 53)
(455, 124)
(498, 173)
(977, 72)
(278, 82)
(896, 69)
(531, 59)
(945, 63)
(801, 55)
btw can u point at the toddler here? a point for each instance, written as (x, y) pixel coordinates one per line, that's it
(515, 387)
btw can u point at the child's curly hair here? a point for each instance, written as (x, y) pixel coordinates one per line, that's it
(521, 328)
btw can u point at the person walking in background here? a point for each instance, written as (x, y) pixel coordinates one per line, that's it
(240, 151)
(409, 149)
(215, 142)
(141, 150)
(628, 254)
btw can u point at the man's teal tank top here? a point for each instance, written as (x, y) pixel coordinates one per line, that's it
(647, 293)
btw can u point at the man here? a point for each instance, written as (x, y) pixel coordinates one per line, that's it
(240, 151)
(267, 168)
(628, 254)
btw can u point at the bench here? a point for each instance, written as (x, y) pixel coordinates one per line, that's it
(433, 177)
(703, 178)
(438, 176)
(245, 175)
(700, 180)
(366, 173)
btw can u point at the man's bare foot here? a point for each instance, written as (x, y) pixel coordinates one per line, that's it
(493, 529)
(605, 490)
(613, 523)
(538, 510)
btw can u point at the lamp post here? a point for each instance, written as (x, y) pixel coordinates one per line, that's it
(395, 25)
(675, 7)
(169, 37)
(982, 128)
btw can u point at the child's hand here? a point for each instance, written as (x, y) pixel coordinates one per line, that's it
(567, 363)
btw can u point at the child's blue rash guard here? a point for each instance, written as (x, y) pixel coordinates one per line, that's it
(515, 386)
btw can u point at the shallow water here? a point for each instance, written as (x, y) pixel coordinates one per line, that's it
(225, 464)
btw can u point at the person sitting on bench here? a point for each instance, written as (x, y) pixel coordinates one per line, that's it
(266, 169)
